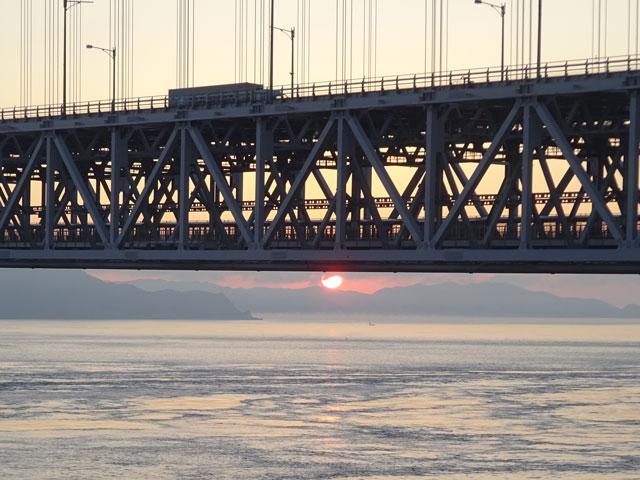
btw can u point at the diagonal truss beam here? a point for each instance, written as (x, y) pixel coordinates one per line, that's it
(85, 190)
(374, 159)
(24, 178)
(298, 182)
(567, 150)
(479, 172)
(149, 184)
(222, 184)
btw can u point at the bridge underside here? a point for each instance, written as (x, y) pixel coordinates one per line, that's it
(500, 177)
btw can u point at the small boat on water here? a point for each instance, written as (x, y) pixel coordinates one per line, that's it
(371, 324)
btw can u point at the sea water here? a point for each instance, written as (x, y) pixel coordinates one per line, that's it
(277, 399)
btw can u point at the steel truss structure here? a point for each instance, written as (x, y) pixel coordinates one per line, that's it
(504, 176)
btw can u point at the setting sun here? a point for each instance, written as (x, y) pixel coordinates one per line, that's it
(332, 282)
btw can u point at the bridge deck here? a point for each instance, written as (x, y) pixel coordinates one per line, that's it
(469, 171)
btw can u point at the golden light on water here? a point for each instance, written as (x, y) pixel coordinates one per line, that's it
(332, 282)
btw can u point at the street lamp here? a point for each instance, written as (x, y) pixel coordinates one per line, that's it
(292, 35)
(112, 53)
(539, 34)
(66, 5)
(501, 9)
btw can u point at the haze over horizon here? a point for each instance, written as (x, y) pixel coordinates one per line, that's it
(618, 290)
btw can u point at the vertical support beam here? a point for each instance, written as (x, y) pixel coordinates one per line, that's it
(631, 170)
(49, 200)
(354, 200)
(434, 150)
(341, 187)
(118, 160)
(237, 185)
(365, 182)
(530, 141)
(186, 161)
(26, 213)
(264, 151)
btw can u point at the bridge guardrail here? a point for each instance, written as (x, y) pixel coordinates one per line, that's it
(349, 87)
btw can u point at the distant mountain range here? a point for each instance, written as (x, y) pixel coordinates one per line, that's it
(69, 294)
(477, 301)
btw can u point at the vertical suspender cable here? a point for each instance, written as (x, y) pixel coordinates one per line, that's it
(530, 31)
(262, 42)
(307, 60)
(30, 56)
(440, 45)
(240, 38)
(523, 34)
(351, 39)
(364, 38)
(132, 52)
(446, 37)
(344, 39)
(22, 52)
(246, 40)
(599, 26)
(254, 31)
(370, 40)
(45, 56)
(606, 24)
(235, 42)
(517, 33)
(511, 32)
(192, 28)
(593, 30)
(426, 29)
(299, 7)
(57, 50)
(336, 75)
(433, 35)
(628, 27)
(375, 45)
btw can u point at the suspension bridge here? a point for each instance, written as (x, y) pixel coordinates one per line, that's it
(469, 171)
(522, 168)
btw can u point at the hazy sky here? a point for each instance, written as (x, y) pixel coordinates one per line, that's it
(619, 290)
(473, 39)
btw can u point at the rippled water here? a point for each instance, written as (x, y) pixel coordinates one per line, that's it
(263, 400)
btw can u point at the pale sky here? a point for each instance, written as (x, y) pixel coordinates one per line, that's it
(473, 39)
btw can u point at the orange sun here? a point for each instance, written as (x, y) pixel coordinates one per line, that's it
(332, 282)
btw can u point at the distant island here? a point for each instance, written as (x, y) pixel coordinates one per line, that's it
(73, 295)
(473, 303)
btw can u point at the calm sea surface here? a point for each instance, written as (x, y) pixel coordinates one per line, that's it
(276, 399)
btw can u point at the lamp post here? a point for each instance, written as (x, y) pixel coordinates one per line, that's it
(501, 9)
(112, 53)
(539, 34)
(292, 35)
(66, 5)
